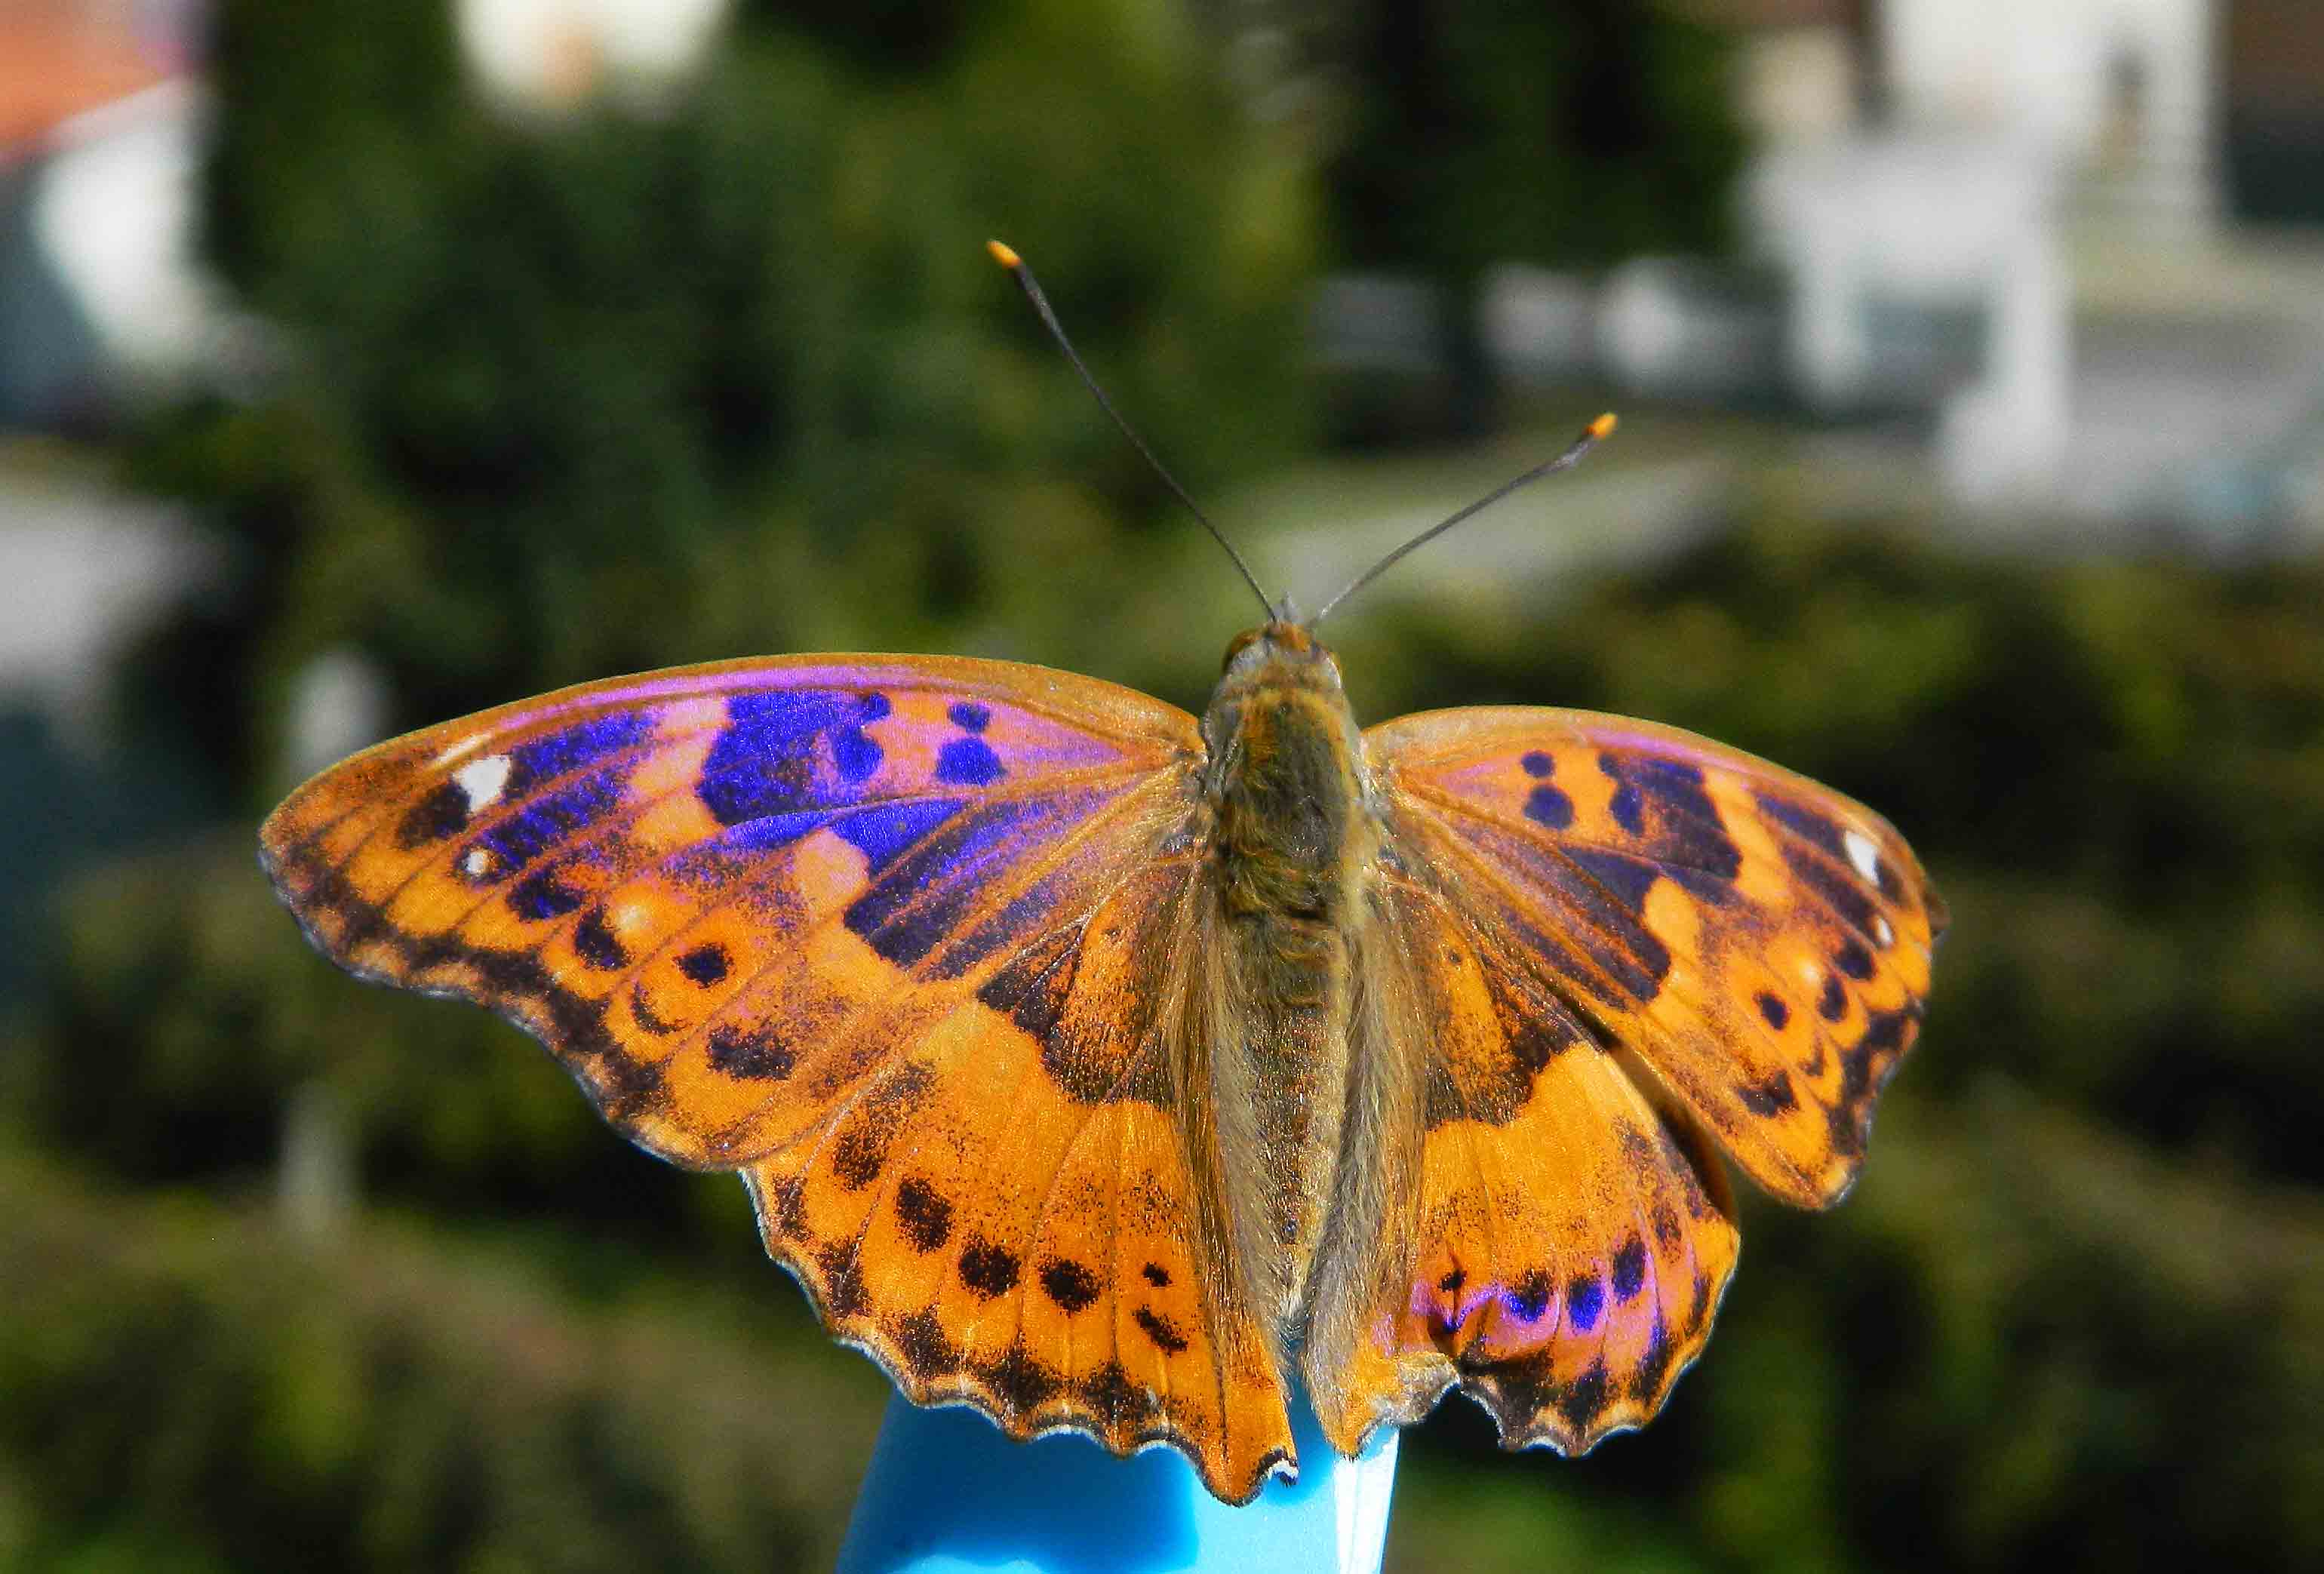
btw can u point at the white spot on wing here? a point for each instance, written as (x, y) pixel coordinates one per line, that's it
(476, 864)
(1864, 853)
(483, 780)
(1880, 930)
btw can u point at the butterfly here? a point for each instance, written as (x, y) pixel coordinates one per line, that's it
(1113, 1071)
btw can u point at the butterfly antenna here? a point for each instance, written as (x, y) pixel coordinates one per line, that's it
(1592, 436)
(1009, 260)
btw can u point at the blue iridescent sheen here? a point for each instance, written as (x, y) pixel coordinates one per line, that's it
(1529, 1297)
(764, 760)
(969, 716)
(1585, 1298)
(542, 896)
(918, 902)
(1807, 823)
(1689, 834)
(572, 747)
(1630, 1270)
(968, 762)
(884, 833)
(1548, 806)
(855, 754)
(1628, 878)
(541, 825)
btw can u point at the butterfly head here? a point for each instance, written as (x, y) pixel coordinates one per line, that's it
(1279, 681)
(1276, 651)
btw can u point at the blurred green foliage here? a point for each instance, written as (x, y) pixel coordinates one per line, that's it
(565, 394)
(1570, 134)
(585, 393)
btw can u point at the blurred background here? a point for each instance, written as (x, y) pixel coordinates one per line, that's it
(362, 365)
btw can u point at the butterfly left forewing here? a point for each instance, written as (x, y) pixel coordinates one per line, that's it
(892, 937)
(1762, 943)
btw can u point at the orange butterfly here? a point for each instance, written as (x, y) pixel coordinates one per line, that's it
(1105, 1068)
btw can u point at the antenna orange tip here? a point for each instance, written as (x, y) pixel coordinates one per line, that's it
(1602, 426)
(1004, 256)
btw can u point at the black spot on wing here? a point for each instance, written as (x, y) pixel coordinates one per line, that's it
(1654, 1368)
(1020, 1382)
(1071, 1286)
(754, 1053)
(1773, 1009)
(1772, 1096)
(1628, 807)
(1160, 1331)
(1831, 1005)
(647, 1017)
(1114, 1399)
(1685, 831)
(923, 1214)
(548, 822)
(543, 895)
(860, 1151)
(443, 812)
(705, 965)
(1528, 1299)
(920, 1337)
(1585, 1398)
(844, 1293)
(1838, 891)
(987, 1270)
(968, 762)
(1155, 1274)
(594, 941)
(858, 1154)
(1807, 824)
(1585, 1299)
(1630, 1270)
(1546, 806)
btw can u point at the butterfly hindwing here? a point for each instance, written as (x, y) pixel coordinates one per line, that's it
(1568, 1238)
(888, 936)
(1759, 942)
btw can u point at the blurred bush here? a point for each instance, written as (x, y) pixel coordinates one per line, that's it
(577, 393)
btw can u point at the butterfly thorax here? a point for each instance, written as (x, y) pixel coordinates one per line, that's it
(1295, 842)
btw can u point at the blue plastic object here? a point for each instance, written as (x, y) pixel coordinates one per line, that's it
(948, 1494)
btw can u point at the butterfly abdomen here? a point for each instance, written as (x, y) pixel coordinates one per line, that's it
(1293, 846)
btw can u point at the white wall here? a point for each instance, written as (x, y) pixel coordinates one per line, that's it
(2047, 70)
